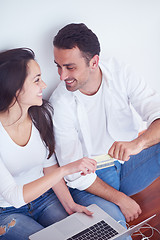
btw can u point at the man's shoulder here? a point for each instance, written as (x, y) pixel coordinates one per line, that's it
(111, 64)
(61, 94)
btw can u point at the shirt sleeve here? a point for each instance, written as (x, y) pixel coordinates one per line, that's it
(144, 99)
(68, 145)
(9, 190)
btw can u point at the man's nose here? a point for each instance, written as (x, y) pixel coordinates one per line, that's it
(63, 75)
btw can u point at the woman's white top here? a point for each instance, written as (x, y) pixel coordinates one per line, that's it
(20, 165)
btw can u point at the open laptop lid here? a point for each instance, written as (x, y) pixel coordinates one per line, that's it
(132, 230)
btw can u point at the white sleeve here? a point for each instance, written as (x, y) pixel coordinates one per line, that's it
(144, 99)
(68, 145)
(50, 162)
(9, 190)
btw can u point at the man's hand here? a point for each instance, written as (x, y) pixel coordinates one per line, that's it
(149, 137)
(123, 150)
(130, 209)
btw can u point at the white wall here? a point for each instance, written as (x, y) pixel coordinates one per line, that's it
(127, 29)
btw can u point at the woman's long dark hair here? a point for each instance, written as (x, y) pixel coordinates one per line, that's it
(13, 72)
(42, 118)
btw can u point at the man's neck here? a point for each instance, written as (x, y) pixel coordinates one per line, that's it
(94, 85)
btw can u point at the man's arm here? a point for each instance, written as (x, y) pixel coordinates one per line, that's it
(146, 102)
(122, 150)
(130, 209)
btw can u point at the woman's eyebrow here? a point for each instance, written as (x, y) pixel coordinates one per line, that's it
(38, 75)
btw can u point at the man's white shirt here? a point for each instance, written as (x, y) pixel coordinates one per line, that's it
(122, 90)
(95, 109)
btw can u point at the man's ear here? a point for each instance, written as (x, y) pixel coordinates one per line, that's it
(94, 62)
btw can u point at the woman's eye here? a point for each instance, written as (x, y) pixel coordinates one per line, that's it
(37, 80)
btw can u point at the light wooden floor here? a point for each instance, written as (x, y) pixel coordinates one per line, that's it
(149, 200)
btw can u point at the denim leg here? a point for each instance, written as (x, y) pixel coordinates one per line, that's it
(32, 217)
(18, 226)
(49, 209)
(140, 171)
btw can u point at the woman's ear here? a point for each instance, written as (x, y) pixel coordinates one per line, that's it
(17, 93)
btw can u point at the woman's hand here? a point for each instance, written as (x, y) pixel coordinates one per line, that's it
(77, 208)
(84, 165)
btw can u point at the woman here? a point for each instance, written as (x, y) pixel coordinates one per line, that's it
(28, 169)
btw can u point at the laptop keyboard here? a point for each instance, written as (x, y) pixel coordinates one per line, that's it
(100, 231)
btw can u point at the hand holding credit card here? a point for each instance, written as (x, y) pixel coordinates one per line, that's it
(103, 161)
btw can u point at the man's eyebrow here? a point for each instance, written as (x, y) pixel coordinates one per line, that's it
(65, 65)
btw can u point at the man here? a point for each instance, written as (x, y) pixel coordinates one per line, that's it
(93, 116)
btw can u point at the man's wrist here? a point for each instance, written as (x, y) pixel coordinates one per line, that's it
(118, 200)
(141, 142)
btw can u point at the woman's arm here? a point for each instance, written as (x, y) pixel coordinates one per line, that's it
(36, 188)
(63, 194)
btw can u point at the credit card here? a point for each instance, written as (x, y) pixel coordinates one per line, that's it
(103, 161)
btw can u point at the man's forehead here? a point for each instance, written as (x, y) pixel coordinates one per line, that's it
(67, 56)
(67, 52)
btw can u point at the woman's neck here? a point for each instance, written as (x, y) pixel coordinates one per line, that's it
(17, 124)
(15, 115)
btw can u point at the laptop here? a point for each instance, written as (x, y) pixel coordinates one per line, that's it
(78, 225)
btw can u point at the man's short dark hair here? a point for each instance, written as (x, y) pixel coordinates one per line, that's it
(78, 35)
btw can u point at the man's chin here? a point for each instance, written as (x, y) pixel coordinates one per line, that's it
(71, 89)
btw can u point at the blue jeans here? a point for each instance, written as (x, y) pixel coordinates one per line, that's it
(131, 177)
(22, 222)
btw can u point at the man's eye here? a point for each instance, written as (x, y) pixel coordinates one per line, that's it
(70, 68)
